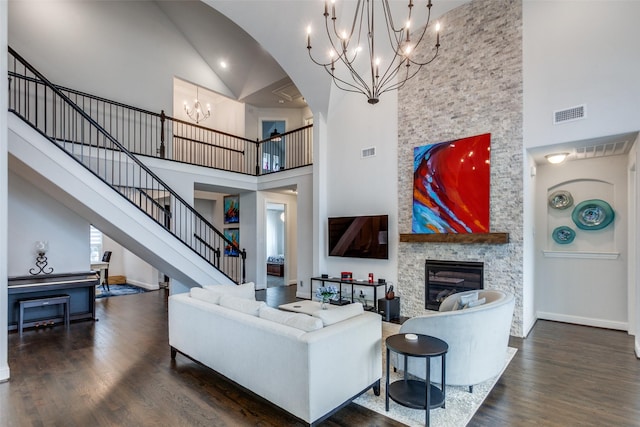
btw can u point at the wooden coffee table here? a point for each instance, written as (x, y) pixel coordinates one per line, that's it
(416, 394)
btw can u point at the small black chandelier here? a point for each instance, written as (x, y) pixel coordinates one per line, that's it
(346, 45)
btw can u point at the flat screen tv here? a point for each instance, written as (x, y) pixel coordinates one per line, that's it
(359, 236)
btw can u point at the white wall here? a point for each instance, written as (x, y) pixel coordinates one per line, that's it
(580, 53)
(585, 53)
(4, 366)
(127, 51)
(583, 282)
(227, 115)
(294, 118)
(357, 186)
(529, 315)
(125, 263)
(35, 216)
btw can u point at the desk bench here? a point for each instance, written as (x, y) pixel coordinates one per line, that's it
(41, 302)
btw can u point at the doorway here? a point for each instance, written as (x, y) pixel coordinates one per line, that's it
(275, 244)
(273, 151)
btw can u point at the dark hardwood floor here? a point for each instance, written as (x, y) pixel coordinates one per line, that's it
(118, 372)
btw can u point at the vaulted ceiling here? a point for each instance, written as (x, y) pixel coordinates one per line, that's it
(251, 73)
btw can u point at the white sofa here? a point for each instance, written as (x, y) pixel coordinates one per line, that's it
(478, 338)
(309, 366)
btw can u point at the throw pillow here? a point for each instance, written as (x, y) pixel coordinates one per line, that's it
(246, 290)
(204, 295)
(339, 313)
(242, 305)
(464, 299)
(295, 320)
(476, 303)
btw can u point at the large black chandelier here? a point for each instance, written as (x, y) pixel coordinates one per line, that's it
(346, 44)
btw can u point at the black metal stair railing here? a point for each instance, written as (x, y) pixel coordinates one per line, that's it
(50, 111)
(152, 134)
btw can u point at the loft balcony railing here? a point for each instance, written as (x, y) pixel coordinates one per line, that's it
(51, 112)
(158, 135)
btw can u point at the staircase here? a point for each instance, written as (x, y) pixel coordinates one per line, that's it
(60, 148)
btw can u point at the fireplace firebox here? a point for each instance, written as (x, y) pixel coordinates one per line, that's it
(443, 278)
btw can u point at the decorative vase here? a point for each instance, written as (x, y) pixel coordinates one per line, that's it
(325, 303)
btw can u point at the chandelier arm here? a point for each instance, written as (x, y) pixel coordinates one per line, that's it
(342, 56)
(390, 74)
(402, 82)
(354, 88)
(355, 20)
(388, 17)
(435, 55)
(372, 47)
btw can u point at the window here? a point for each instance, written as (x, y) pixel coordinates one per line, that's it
(95, 241)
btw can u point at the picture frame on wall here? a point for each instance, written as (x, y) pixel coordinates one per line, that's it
(233, 248)
(231, 209)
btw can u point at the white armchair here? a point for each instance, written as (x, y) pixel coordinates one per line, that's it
(477, 337)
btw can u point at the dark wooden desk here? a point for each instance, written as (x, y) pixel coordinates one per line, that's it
(80, 286)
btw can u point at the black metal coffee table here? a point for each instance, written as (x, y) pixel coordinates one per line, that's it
(412, 393)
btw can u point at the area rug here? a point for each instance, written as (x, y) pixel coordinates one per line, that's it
(116, 290)
(460, 404)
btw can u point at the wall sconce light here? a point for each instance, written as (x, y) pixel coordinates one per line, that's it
(556, 158)
(41, 248)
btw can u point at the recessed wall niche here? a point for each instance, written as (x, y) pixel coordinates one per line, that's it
(566, 197)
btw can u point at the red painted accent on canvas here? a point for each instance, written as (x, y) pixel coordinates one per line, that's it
(452, 185)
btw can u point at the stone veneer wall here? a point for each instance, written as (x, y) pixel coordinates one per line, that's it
(473, 87)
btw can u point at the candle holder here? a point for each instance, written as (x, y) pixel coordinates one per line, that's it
(41, 259)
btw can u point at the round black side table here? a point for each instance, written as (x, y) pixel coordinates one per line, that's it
(416, 394)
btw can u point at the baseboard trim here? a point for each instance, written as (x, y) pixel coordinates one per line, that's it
(637, 348)
(148, 286)
(586, 321)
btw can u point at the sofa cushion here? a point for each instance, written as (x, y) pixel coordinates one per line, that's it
(242, 305)
(246, 290)
(295, 320)
(339, 313)
(205, 295)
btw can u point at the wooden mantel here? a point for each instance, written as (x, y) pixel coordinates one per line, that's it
(492, 238)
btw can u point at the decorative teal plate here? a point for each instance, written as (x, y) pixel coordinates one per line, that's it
(560, 199)
(592, 214)
(563, 235)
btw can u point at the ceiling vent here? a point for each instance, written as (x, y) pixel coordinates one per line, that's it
(288, 92)
(615, 148)
(368, 152)
(570, 114)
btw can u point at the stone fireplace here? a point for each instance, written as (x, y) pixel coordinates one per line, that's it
(443, 278)
(484, 94)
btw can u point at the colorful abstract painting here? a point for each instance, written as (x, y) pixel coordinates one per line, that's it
(233, 248)
(451, 184)
(231, 209)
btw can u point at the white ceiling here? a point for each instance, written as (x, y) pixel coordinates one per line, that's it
(256, 78)
(252, 75)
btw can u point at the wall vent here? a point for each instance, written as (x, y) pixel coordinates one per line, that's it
(570, 114)
(368, 152)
